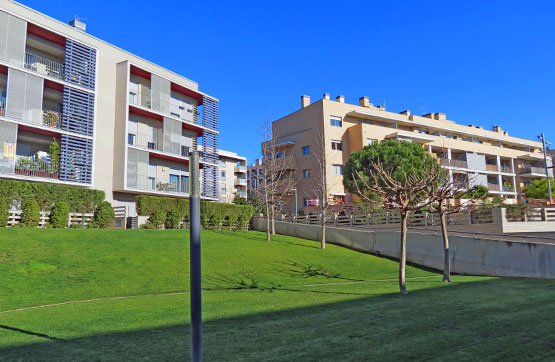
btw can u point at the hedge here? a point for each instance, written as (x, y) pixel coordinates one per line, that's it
(59, 215)
(103, 216)
(212, 214)
(46, 195)
(31, 213)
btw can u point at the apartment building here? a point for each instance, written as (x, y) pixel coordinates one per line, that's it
(232, 176)
(123, 125)
(492, 158)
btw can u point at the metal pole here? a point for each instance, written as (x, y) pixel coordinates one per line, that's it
(194, 258)
(546, 168)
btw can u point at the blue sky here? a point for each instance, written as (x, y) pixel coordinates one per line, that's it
(480, 62)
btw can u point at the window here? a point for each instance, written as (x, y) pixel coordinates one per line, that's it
(338, 169)
(336, 122)
(132, 98)
(131, 139)
(222, 176)
(174, 181)
(419, 130)
(174, 114)
(371, 141)
(336, 145)
(185, 151)
(310, 202)
(306, 150)
(151, 183)
(279, 154)
(222, 163)
(306, 173)
(185, 184)
(151, 145)
(223, 190)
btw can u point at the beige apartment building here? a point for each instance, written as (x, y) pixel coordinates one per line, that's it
(492, 158)
(124, 125)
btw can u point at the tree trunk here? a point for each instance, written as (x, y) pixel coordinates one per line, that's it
(273, 224)
(323, 230)
(403, 254)
(446, 261)
(267, 223)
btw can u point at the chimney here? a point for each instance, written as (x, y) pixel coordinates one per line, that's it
(429, 115)
(305, 101)
(340, 99)
(497, 129)
(364, 102)
(79, 25)
(327, 96)
(440, 116)
(405, 113)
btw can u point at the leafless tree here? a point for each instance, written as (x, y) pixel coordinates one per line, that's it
(407, 195)
(443, 193)
(276, 181)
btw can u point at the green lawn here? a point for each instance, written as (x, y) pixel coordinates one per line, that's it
(283, 300)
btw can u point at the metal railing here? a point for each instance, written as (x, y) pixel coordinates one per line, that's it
(506, 169)
(145, 100)
(508, 188)
(44, 66)
(150, 184)
(147, 141)
(29, 166)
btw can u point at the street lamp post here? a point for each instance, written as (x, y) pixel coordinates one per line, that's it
(544, 142)
(194, 258)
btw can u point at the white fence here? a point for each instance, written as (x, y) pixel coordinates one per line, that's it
(14, 218)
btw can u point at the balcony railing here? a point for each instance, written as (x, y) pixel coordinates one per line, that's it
(491, 167)
(506, 169)
(145, 100)
(240, 181)
(508, 188)
(493, 187)
(533, 169)
(147, 141)
(28, 166)
(44, 66)
(240, 168)
(452, 163)
(150, 184)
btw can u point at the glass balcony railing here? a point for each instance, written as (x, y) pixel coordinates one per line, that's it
(240, 168)
(44, 66)
(177, 186)
(533, 170)
(144, 99)
(240, 181)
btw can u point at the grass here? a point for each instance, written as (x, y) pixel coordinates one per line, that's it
(283, 300)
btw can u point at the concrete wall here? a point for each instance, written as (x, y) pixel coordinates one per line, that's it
(472, 256)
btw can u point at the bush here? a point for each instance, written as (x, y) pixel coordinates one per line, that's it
(31, 214)
(147, 205)
(103, 215)
(76, 225)
(46, 195)
(173, 219)
(4, 212)
(148, 226)
(157, 218)
(59, 216)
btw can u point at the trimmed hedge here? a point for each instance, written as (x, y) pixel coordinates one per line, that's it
(59, 216)
(212, 214)
(46, 195)
(4, 212)
(31, 213)
(103, 216)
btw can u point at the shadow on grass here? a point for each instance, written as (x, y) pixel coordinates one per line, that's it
(495, 319)
(249, 235)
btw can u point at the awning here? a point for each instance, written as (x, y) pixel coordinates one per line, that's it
(415, 137)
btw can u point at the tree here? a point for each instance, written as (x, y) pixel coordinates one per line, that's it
(54, 151)
(538, 189)
(276, 179)
(59, 215)
(239, 200)
(399, 174)
(443, 193)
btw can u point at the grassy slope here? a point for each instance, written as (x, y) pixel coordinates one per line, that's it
(290, 315)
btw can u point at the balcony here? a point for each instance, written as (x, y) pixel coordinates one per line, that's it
(145, 100)
(508, 188)
(242, 194)
(32, 166)
(493, 187)
(452, 163)
(506, 169)
(533, 171)
(240, 181)
(44, 66)
(177, 186)
(492, 167)
(240, 168)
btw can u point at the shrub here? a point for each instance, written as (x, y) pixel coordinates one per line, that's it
(173, 218)
(103, 215)
(76, 225)
(148, 226)
(31, 214)
(4, 212)
(59, 216)
(157, 218)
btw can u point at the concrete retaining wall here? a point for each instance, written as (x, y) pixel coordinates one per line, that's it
(472, 256)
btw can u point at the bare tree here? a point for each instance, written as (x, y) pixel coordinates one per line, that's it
(319, 185)
(443, 193)
(276, 181)
(406, 194)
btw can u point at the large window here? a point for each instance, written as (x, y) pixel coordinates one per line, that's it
(174, 181)
(371, 141)
(337, 169)
(222, 175)
(306, 150)
(131, 139)
(336, 121)
(306, 173)
(337, 145)
(151, 183)
(185, 184)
